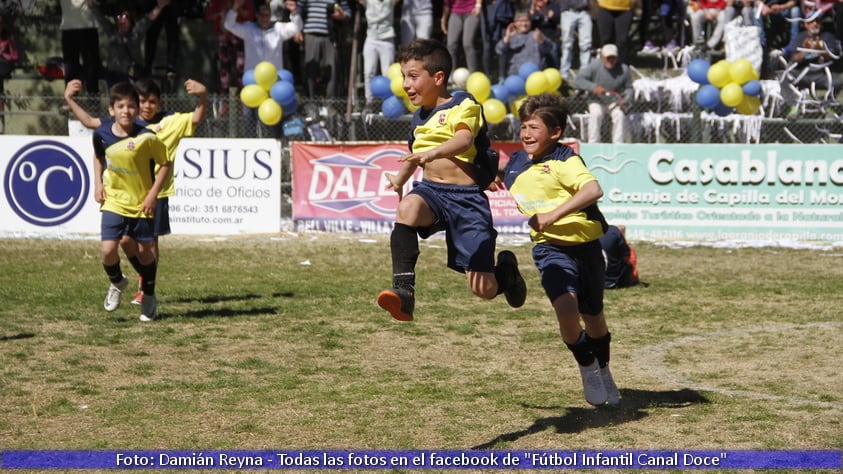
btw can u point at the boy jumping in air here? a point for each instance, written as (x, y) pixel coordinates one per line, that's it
(443, 143)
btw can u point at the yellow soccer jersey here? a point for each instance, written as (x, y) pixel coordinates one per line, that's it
(130, 166)
(545, 185)
(170, 130)
(434, 127)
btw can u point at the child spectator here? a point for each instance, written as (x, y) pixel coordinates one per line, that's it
(443, 144)
(127, 189)
(553, 187)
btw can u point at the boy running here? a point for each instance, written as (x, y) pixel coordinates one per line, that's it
(553, 187)
(127, 188)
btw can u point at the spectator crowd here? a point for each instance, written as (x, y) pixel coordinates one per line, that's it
(317, 39)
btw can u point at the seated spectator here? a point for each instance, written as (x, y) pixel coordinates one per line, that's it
(522, 44)
(810, 64)
(125, 62)
(608, 83)
(620, 257)
(717, 12)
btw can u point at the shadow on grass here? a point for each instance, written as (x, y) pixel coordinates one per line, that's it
(223, 298)
(13, 337)
(633, 406)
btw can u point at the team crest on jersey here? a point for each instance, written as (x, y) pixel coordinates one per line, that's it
(442, 118)
(546, 168)
(131, 145)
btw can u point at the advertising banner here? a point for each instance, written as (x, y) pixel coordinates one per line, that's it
(47, 185)
(227, 186)
(342, 188)
(722, 192)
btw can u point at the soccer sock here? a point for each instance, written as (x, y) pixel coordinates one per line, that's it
(600, 348)
(135, 264)
(404, 243)
(582, 350)
(115, 274)
(502, 278)
(148, 273)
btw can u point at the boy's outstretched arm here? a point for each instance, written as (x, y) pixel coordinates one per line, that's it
(70, 90)
(587, 195)
(197, 88)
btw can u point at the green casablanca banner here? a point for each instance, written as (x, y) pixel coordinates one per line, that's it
(709, 192)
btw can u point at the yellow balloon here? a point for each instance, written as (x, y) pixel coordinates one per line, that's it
(516, 104)
(479, 85)
(394, 70)
(731, 94)
(741, 71)
(266, 74)
(409, 105)
(270, 112)
(536, 83)
(396, 85)
(554, 79)
(253, 95)
(749, 105)
(718, 74)
(494, 110)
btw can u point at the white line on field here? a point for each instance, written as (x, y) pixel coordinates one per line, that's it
(651, 358)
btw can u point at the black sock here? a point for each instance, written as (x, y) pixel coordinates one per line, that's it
(136, 264)
(582, 350)
(501, 277)
(147, 273)
(600, 348)
(115, 274)
(404, 243)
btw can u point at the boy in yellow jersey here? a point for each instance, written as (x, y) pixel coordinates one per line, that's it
(127, 189)
(553, 187)
(446, 130)
(170, 129)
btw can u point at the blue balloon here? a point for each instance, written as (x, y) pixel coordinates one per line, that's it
(283, 92)
(249, 77)
(500, 92)
(381, 87)
(515, 85)
(285, 75)
(698, 71)
(392, 107)
(752, 88)
(708, 96)
(723, 110)
(526, 69)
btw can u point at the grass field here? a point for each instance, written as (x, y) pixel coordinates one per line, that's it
(275, 342)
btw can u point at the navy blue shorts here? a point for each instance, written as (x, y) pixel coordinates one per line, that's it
(162, 217)
(578, 269)
(463, 213)
(114, 227)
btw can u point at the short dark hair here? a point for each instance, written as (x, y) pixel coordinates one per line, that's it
(147, 87)
(433, 54)
(547, 107)
(122, 90)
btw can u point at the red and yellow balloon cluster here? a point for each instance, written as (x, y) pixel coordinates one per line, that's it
(269, 90)
(726, 86)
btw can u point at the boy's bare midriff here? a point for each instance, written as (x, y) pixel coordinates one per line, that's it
(449, 171)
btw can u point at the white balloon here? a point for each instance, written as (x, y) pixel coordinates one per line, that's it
(459, 76)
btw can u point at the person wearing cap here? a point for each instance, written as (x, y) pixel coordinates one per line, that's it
(608, 83)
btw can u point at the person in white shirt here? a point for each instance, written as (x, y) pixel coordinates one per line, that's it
(379, 46)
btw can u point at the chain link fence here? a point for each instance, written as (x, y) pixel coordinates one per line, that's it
(655, 117)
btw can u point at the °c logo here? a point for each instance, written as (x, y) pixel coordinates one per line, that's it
(46, 183)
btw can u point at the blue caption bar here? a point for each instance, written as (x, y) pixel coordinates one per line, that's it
(427, 459)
